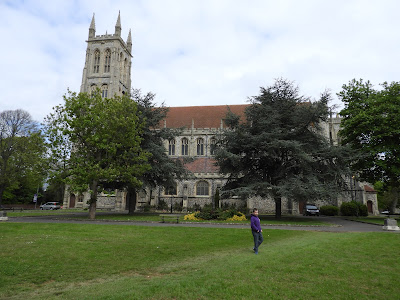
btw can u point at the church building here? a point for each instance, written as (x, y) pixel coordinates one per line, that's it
(108, 67)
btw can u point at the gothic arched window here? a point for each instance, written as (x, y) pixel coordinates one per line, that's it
(202, 188)
(107, 61)
(93, 89)
(96, 64)
(200, 146)
(125, 66)
(171, 147)
(104, 91)
(185, 146)
(171, 190)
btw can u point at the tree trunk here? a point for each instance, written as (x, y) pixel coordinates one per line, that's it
(1, 194)
(131, 198)
(93, 200)
(278, 207)
(395, 198)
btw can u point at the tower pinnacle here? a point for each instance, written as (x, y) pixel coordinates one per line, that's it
(92, 28)
(118, 25)
(129, 41)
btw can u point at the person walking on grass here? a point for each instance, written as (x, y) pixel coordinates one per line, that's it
(256, 230)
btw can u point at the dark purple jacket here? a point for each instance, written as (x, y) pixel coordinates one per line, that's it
(255, 223)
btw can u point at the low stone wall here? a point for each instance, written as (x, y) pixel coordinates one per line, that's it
(106, 202)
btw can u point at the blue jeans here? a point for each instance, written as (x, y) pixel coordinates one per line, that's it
(258, 239)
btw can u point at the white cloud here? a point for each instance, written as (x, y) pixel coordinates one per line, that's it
(193, 52)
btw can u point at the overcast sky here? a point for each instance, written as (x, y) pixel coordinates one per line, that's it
(198, 52)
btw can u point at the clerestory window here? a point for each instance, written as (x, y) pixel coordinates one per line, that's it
(200, 146)
(171, 147)
(185, 146)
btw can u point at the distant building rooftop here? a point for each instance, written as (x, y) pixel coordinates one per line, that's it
(201, 116)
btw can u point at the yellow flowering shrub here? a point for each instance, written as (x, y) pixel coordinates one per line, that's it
(191, 217)
(238, 217)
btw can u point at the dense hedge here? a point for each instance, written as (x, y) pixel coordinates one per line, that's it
(329, 210)
(353, 208)
(210, 213)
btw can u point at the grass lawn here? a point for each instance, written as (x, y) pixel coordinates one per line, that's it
(38, 212)
(74, 261)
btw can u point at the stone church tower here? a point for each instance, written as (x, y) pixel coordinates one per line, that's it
(108, 62)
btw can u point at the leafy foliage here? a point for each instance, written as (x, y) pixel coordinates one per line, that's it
(163, 170)
(279, 150)
(329, 210)
(371, 126)
(353, 208)
(103, 142)
(22, 156)
(210, 213)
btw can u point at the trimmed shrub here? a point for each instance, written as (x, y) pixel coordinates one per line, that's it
(349, 209)
(353, 208)
(237, 217)
(329, 210)
(362, 210)
(208, 213)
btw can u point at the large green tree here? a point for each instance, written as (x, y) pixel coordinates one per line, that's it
(164, 171)
(278, 150)
(104, 135)
(371, 126)
(22, 155)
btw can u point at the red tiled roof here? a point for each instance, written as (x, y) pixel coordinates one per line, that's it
(202, 165)
(201, 116)
(367, 188)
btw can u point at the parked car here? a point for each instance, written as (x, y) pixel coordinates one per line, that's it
(50, 205)
(310, 210)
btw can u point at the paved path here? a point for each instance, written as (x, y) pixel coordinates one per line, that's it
(338, 224)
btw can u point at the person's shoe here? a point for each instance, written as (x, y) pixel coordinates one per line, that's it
(255, 252)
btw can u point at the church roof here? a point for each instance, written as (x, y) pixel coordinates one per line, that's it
(202, 165)
(201, 116)
(368, 188)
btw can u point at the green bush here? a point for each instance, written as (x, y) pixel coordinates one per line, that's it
(329, 210)
(178, 206)
(226, 214)
(349, 209)
(362, 210)
(353, 208)
(196, 207)
(147, 207)
(210, 213)
(162, 205)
